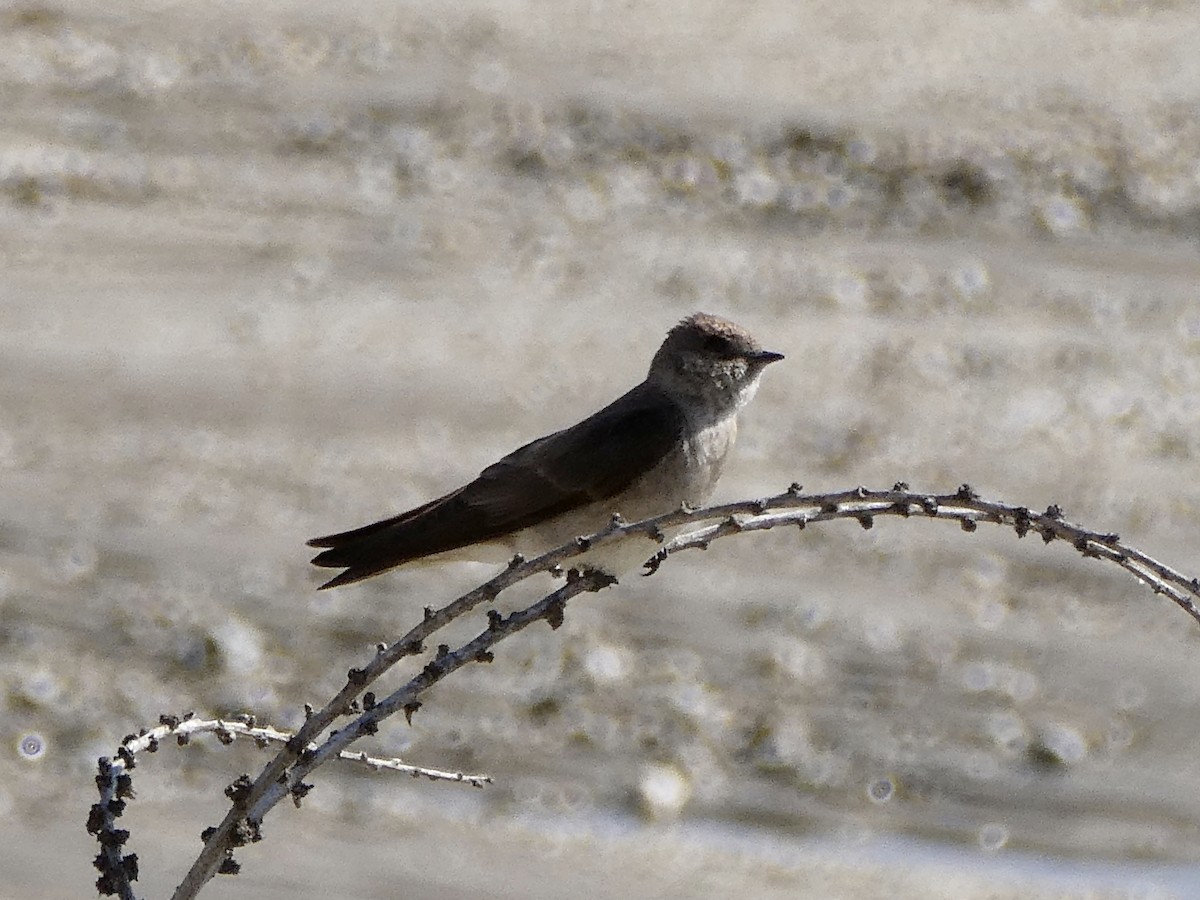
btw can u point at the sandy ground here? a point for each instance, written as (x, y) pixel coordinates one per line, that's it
(269, 273)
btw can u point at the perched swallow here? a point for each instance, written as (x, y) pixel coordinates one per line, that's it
(662, 444)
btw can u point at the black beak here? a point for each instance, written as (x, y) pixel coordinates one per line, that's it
(762, 357)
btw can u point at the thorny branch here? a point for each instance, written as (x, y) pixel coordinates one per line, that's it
(302, 752)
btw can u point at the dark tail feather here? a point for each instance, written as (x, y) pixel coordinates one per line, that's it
(351, 575)
(361, 559)
(346, 538)
(369, 550)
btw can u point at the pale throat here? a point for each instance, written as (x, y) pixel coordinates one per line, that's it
(705, 453)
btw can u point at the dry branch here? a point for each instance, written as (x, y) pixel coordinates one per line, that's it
(305, 751)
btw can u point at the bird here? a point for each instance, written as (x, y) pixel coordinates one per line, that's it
(660, 445)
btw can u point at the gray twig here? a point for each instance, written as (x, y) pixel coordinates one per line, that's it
(303, 752)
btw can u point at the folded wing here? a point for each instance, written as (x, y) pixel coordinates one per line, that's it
(588, 462)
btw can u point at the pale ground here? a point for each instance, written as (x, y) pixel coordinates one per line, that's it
(267, 274)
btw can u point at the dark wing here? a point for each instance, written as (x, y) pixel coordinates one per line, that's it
(599, 457)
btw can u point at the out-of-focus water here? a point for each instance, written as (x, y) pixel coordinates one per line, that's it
(269, 273)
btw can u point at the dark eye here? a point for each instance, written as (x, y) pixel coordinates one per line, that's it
(719, 345)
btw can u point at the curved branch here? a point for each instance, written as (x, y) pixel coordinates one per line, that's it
(302, 752)
(963, 506)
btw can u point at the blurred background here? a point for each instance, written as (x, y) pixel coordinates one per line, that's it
(271, 270)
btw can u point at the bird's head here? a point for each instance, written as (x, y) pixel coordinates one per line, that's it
(710, 362)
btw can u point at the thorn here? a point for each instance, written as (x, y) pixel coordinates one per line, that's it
(651, 565)
(795, 488)
(900, 487)
(299, 791)
(409, 709)
(229, 866)
(239, 790)
(1021, 522)
(601, 579)
(968, 525)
